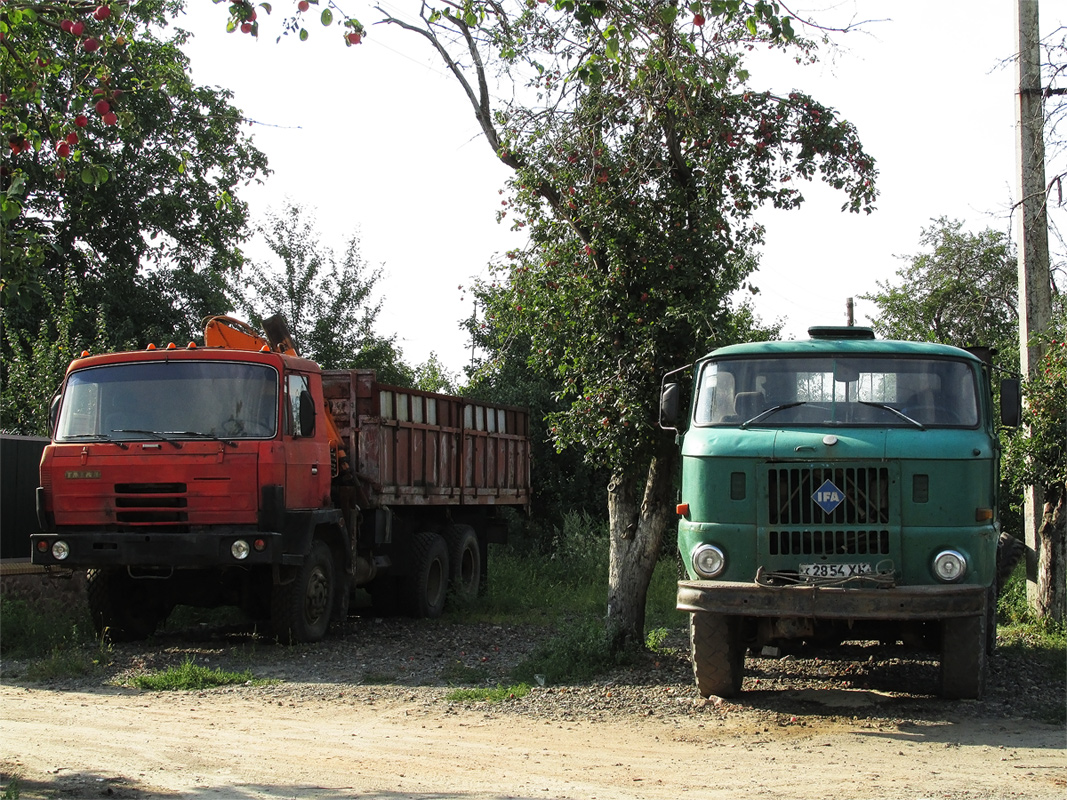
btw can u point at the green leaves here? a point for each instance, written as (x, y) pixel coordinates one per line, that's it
(94, 175)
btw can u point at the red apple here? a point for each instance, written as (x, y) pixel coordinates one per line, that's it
(81, 120)
(246, 27)
(72, 138)
(77, 28)
(111, 118)
(66, 25)
(62, 149)
(102, 107)
(355, 38)
(303, 5)
(91, 45)
(101, 13)
(698, 19)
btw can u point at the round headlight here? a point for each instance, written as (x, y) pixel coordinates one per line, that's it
(239, 549)
(708, 560)
(60, 550)
(950, 566)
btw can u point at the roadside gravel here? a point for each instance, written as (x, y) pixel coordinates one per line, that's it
(421, 661)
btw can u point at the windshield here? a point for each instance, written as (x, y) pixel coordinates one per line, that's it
(827, 390)
(170, 400)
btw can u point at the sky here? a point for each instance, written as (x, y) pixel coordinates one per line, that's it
(378, 141)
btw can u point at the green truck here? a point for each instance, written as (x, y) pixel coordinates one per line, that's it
(839, 488)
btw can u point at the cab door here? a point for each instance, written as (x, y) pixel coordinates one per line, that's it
(307, 450)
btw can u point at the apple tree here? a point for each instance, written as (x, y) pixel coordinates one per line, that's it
(640, 152)
(119, 178)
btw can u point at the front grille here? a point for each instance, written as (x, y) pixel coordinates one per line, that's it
(791, 497)
(828, 543)
(150, 503)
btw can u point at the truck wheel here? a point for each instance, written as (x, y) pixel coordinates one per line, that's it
(718, 654)
(300, 610)
(964, 662)
(122, 609)
(464, 562)
(426, 588)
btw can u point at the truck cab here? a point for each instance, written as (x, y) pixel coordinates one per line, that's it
(839, 488)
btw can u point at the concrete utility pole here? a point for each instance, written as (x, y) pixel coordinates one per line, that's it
(1035, 298)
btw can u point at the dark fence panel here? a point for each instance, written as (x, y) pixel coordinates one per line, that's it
(20, 457)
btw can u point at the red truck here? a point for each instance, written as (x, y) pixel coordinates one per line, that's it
(238, 473)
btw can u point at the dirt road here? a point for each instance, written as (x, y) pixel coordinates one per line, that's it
(330, 734)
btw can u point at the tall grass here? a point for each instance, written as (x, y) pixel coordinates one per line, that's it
(56, 640)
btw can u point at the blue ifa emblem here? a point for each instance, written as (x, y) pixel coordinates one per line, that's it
(828, 497)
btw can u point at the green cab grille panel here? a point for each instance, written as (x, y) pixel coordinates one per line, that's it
(828, 543)
(865, 491)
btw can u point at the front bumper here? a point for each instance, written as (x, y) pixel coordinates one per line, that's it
(89, 549)
(832, 602)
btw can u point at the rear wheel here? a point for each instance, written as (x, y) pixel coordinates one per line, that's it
(300, 609)
(464, 562)
(122, 609)
(426, 588)
(964, 662)
(718, 654)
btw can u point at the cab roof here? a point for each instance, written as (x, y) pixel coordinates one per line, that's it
(850, 341)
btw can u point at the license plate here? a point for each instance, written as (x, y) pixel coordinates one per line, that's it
(835, 570)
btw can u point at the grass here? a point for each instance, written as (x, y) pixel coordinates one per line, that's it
(189, 675)
(56, 642)
(13, 789)
(495, 695)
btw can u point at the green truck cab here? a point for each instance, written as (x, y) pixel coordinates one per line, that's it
(839, 488)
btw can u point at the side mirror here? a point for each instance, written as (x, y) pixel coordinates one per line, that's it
(307, 414)
(669, 405)
(1011, 402)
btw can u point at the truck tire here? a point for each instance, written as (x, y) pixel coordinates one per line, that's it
(964, 661)
(464, 562)
(426, 588)
(300, 610)
(122, 609)
(718, 654)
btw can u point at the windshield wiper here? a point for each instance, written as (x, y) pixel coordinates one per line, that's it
(772, 410)
(896, 411)
(201, 435)
(95, 437)
(155, 434)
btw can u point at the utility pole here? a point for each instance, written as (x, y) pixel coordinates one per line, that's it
(1035, 299)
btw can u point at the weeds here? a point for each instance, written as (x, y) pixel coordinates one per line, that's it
(189, 675)
(13, 789)
(495, 695)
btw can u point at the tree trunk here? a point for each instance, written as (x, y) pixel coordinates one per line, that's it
(636, 534)
(1051, 601)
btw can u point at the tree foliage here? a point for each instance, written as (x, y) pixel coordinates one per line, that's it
(639, 154)
(961, 289)
(120, 175)
(328, 302)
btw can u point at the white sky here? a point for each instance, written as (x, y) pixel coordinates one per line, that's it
(378, 140)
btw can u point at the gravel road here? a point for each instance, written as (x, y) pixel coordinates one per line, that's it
(365, 714)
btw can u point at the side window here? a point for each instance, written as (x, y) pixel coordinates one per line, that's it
(296, 386)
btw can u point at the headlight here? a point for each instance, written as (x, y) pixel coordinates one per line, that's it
(708, 560)
(60, 550)
(239, 549)
(950, 566)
